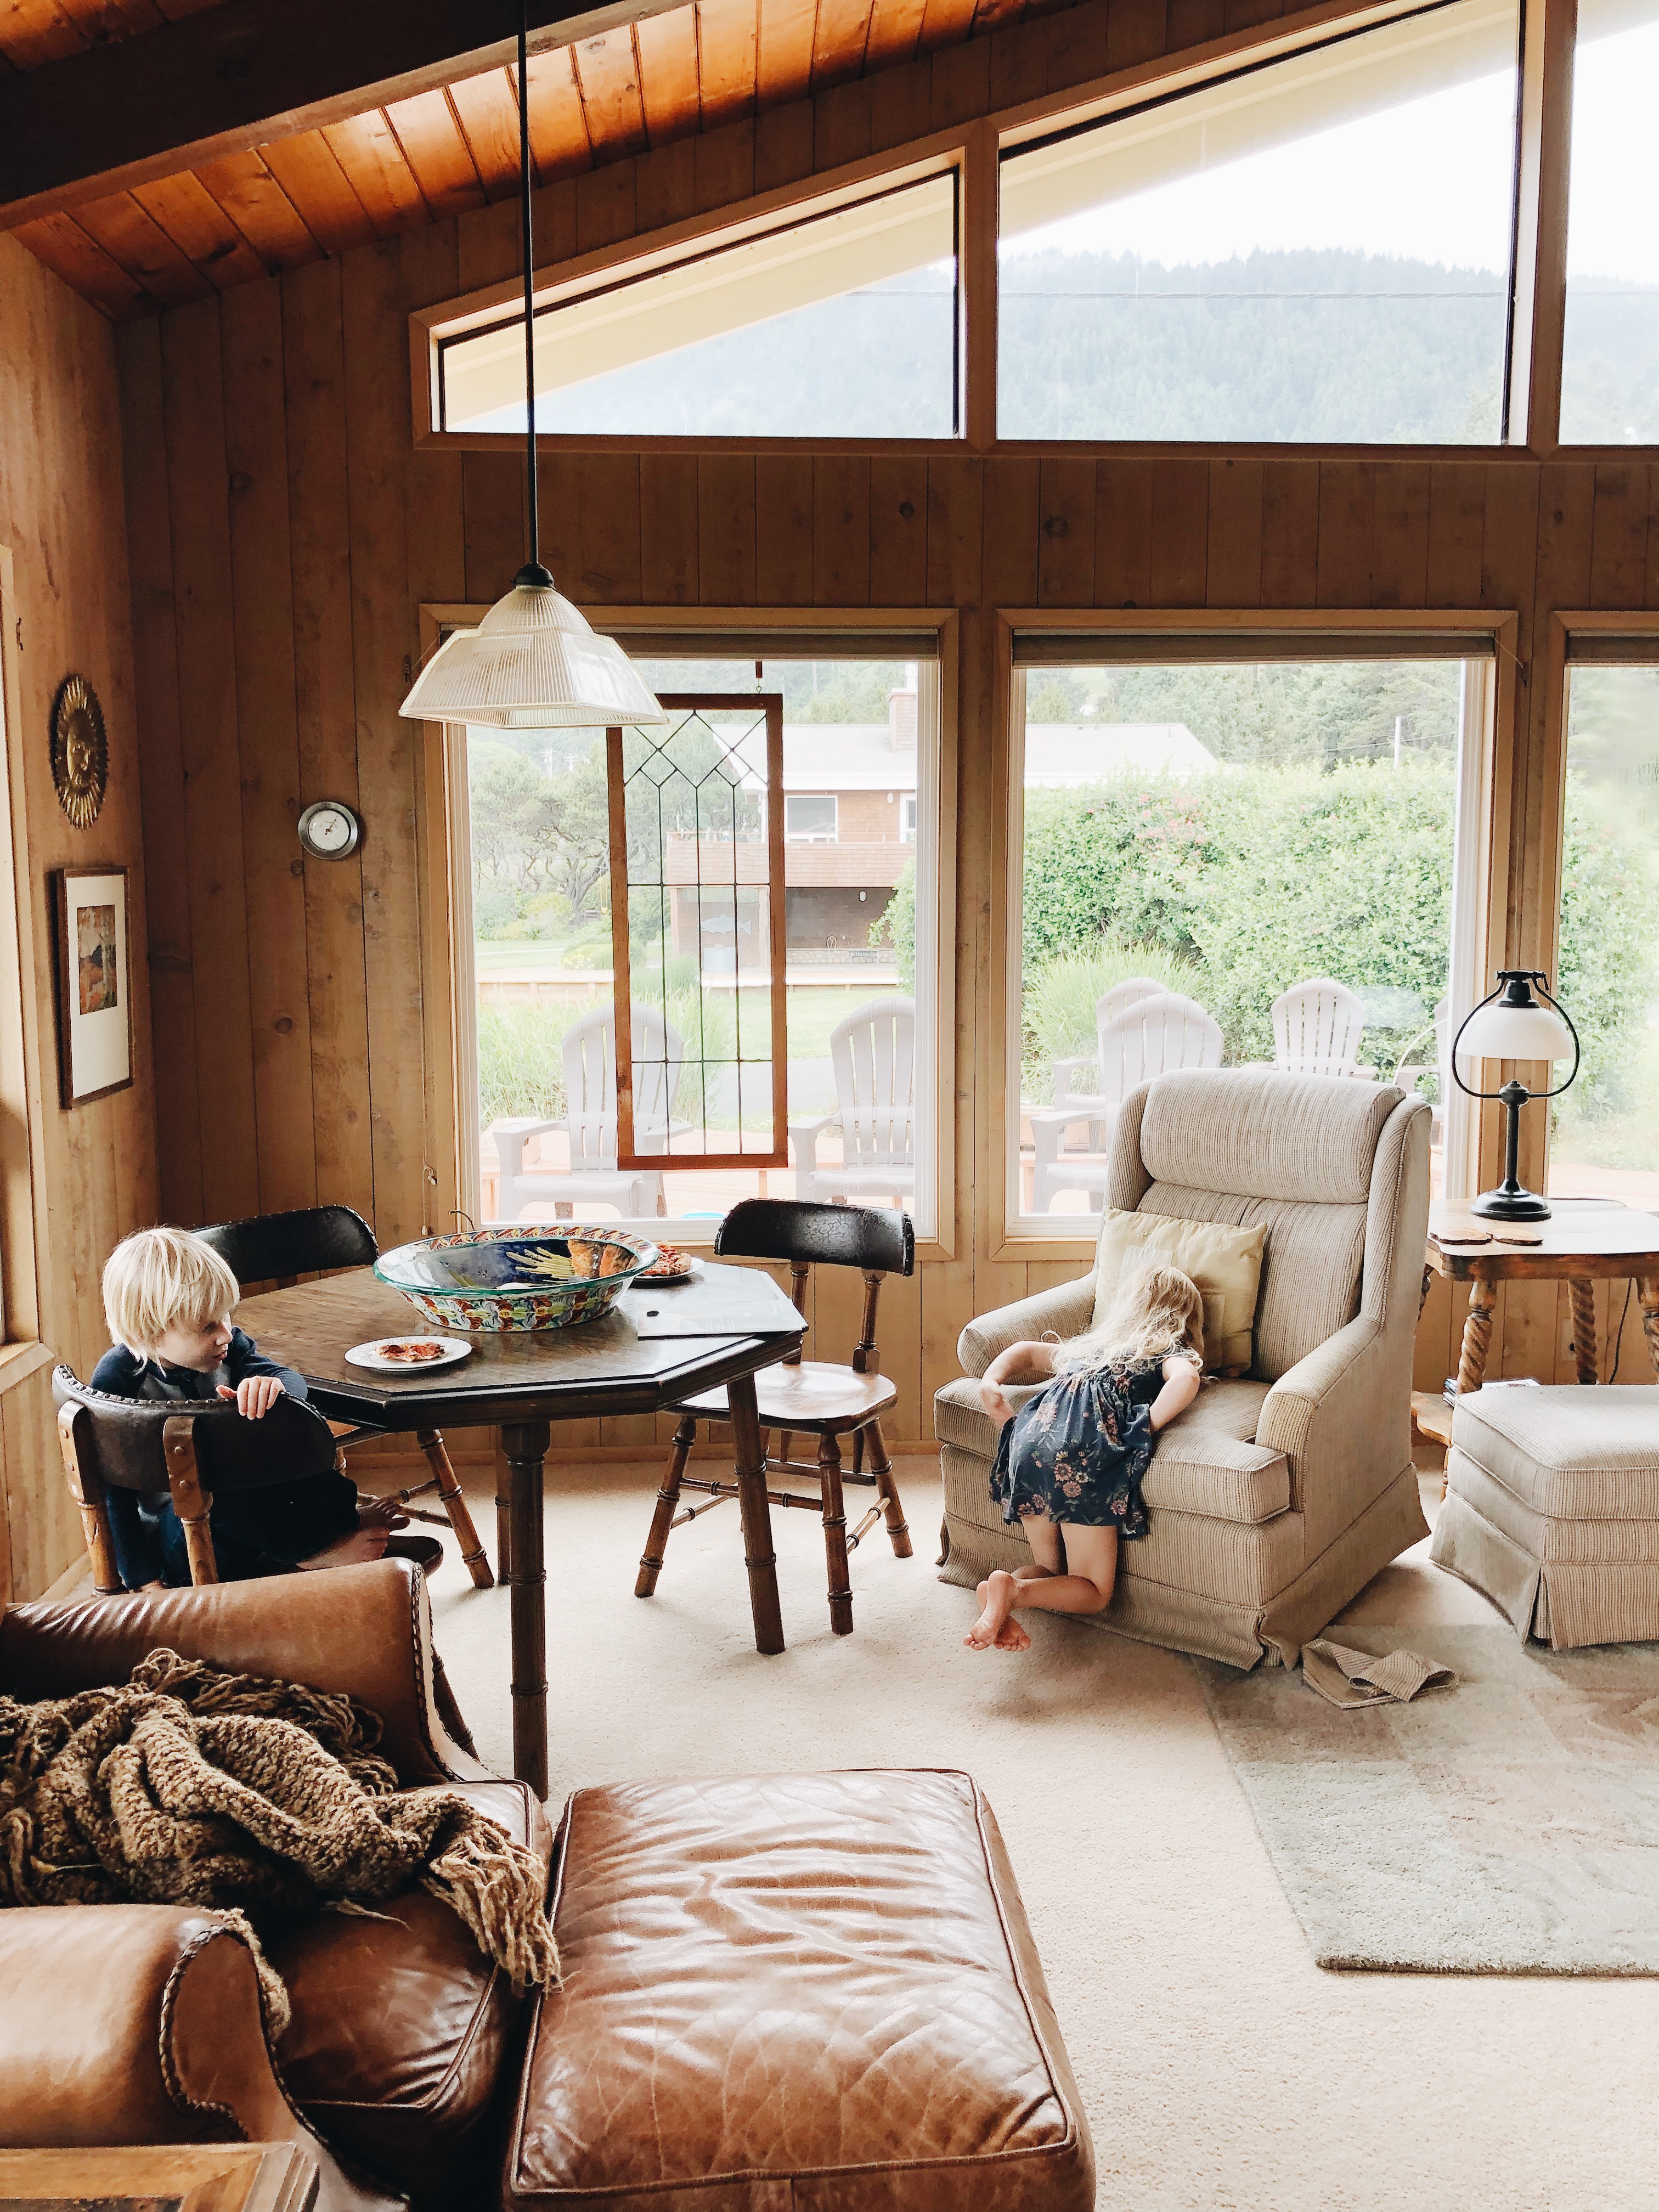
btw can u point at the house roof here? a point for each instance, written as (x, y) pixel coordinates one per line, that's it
(860, 756)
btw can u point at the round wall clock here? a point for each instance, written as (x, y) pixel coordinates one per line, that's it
(80, 752)
(330, 831)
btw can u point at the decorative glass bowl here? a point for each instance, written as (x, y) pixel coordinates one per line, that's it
(501, 1280)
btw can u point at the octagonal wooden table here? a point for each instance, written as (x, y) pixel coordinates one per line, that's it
(656, 1347)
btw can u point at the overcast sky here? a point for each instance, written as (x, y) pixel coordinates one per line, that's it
(1429, 181)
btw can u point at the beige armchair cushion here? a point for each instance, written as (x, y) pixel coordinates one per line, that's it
(1225, 1263)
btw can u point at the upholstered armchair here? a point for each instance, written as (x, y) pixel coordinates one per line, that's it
(1276, 1497)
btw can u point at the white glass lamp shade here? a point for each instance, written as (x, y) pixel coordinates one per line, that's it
(533, 663)
(1505, 1032)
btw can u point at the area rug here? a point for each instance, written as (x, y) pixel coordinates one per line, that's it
(1506, 1825)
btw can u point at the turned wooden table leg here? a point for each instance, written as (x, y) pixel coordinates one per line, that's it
(1477, 1337)
(1584, 1331)
(1647, 1293)
(525, 1443)
(759, 1556)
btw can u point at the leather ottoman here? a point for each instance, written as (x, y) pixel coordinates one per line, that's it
(794, 1993)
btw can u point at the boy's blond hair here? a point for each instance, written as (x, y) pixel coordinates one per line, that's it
(162, 1279)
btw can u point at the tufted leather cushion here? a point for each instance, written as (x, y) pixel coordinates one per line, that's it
(402, 2029)
(795, 1993)
(1266, 1135)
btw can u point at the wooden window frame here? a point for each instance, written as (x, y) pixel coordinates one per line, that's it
(629, 1157)
(444, 845)
(1479, 935)
(1539, 259)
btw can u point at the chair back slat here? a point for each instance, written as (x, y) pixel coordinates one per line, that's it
(872, 1054)
(310, 1240)
(1317, 1027)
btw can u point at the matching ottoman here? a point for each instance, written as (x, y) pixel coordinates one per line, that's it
(1551, 1510)
(794, 1993)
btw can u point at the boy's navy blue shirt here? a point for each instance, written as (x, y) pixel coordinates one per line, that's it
(255, 1532)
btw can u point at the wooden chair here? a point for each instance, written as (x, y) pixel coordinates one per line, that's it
(811, 1397)
(313, 1240)
(190, 1451)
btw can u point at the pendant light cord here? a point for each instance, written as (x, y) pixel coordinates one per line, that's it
(532, 520)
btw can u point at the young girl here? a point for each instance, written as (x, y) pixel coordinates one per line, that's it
(1070, 1463)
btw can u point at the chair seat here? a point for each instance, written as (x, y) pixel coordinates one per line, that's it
(819, 1398)
(402, 2028)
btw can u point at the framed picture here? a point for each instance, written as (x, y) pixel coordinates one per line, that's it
(94, 983)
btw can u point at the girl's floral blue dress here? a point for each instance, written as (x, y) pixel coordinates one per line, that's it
(1078, 1450)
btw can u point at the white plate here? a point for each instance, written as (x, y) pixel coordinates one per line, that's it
(372, 1355)
(668, 1282)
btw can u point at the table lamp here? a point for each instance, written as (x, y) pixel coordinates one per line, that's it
(1510, 1024)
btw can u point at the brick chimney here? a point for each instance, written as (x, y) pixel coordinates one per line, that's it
(901, 720)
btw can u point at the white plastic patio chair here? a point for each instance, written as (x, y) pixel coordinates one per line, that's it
(873, 1055)
(590, 1121)
(1317, 1026)
(1108, 1006)
(1148, 1038)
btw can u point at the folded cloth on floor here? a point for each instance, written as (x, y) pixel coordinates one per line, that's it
(1347, 1677)
(187, 1784)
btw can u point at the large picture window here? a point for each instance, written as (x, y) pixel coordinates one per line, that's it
(861, 899)
(1604, 1141)
(1234, 862)
(1316, 249)
(1610, 364)
(839, 324)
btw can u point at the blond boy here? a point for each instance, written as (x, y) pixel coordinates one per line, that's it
(169, 1298)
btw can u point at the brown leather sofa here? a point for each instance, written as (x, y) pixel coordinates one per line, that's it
(811, 1990)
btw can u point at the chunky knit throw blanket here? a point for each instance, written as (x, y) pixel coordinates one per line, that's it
(188, 1785)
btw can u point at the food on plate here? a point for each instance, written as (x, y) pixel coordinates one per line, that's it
(414, 1353)
(670, 1263)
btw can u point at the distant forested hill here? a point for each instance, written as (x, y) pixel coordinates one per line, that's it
(1308, 345)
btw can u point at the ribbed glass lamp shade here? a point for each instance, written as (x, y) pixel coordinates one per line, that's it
(532, 664)
(1506, 1032)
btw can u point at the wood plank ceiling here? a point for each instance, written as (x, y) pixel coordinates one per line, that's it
(394, 168)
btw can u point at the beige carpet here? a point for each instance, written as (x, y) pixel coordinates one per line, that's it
(1221, 2068)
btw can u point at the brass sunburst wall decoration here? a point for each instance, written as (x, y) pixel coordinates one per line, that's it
(79, 750)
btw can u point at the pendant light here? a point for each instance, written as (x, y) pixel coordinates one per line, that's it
(534, 662)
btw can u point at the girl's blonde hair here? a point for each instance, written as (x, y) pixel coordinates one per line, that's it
(1158, 1310)
(162, 1279)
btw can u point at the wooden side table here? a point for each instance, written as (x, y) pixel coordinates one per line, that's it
(271, 2177)
(1579, 1246)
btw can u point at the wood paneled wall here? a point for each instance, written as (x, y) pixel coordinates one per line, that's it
(284, 532)
(61, 521)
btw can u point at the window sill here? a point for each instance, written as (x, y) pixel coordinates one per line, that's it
(19, 1361)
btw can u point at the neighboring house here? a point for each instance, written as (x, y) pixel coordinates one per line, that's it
(849, 827)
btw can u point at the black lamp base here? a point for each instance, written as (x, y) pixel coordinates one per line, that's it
(1510, 1206)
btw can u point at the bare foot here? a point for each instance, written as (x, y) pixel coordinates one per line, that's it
(359, 1551)
(380, 1513)
(996, 1594)
(1011, 1636)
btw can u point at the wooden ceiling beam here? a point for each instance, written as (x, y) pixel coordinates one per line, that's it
(247, 73)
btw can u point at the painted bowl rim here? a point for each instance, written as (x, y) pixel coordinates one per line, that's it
(646, 1256)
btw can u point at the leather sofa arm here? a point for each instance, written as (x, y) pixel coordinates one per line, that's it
(1066, 1310)
(1331, 1418)
(130, 2024)
(364, 1630)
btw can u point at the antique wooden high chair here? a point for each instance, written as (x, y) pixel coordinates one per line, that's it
(314, 1240)
(810, 1397)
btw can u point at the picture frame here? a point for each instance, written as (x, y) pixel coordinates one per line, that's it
(93, 977)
